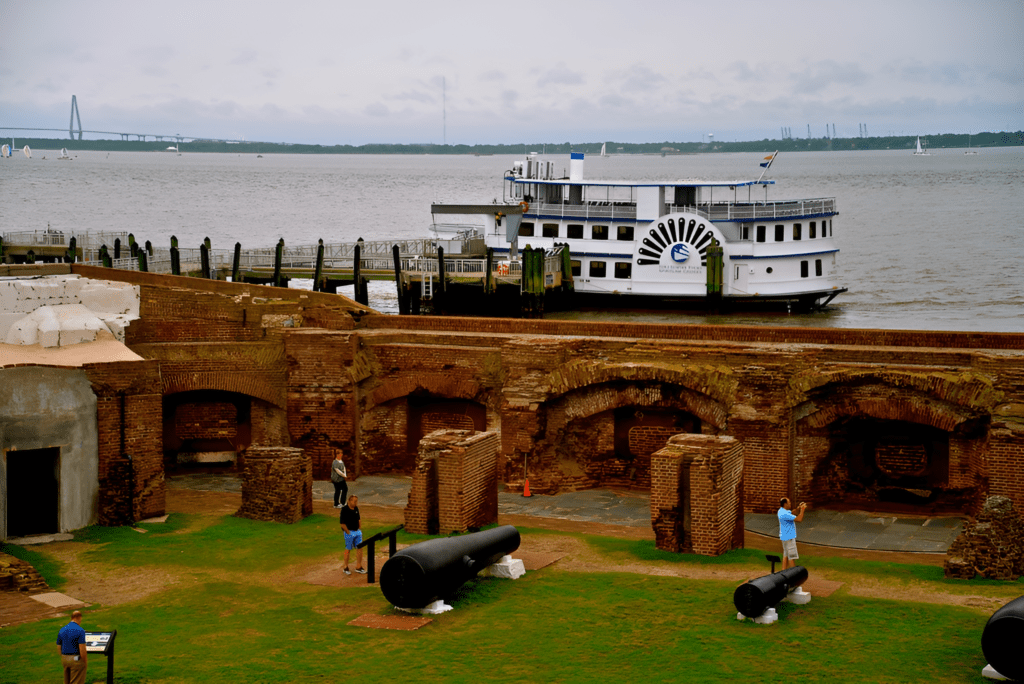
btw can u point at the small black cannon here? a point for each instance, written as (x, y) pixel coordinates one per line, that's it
(753, 598)
(422, 573)
(1002, 639)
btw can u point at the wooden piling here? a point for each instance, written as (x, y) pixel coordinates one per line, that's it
(715, 266)
(278, 257)
(204, 253)
(236, 264)
(403, 303)
(175, 260)
(439, 296)
(133, 247)
(319, 271)
(489, 276)
(357, 257)
(140, 254)
(72, 249)
(149, 248)
(117, 248)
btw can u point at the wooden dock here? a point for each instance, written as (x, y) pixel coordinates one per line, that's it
(454, 275)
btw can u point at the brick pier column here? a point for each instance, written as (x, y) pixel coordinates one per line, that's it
(277, 484)
(697, 494)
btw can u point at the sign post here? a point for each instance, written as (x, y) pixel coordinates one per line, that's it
(102, 643)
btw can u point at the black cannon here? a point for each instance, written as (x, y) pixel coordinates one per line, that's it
(753, 598)
(422, 573)
(1002, 639)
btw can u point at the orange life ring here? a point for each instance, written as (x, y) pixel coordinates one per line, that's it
(525, 206)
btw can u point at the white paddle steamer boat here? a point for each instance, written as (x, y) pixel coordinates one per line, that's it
(645, 244)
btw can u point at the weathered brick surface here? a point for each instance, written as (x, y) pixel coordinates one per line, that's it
(992, 546)
(455, 484)
(697, 495)
(277, 484)
(321, 373)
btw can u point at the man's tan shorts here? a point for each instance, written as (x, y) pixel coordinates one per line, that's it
(789, 549)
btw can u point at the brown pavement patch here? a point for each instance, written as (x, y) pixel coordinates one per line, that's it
(820, 588)
(535, 560)
(17, 608)
(403, 622)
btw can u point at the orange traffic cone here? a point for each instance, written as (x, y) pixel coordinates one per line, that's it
(526, 488)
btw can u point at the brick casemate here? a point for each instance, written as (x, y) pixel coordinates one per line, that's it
(697, 494)
(277, 484)
(991, 547)
(455, 483)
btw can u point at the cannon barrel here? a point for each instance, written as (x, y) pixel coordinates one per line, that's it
(753, 598)
(422, 573)
(1002, 639)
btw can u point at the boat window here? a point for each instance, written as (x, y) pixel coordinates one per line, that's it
(577, 267)
(824, 229)
(550, 230)
(760, 233)
(778, 232)
(600, 233)
(803, 269)
(623, 269)
(797, 230)
(598, 269)
(817, 267)
(526, 229)
(746, 233)
(625, 232)
(812, 231)
(574, 230)
(768, 270)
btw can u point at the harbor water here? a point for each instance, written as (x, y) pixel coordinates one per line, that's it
(927, 243)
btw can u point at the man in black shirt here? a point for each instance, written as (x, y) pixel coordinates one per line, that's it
(353, 535)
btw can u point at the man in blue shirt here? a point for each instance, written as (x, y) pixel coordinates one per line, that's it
(71, 642)
(787, 530)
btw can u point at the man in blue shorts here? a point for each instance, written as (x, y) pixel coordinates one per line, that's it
(787, 530)
(353, 535)
(71, 644)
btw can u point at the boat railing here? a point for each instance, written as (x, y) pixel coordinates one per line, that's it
(590, 210)
(753, 211)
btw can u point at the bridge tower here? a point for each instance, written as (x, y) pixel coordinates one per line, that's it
(74, 115)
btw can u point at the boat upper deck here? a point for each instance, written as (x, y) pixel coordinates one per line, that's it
(718, 211)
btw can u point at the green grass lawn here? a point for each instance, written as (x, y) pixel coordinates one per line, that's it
(550, 625)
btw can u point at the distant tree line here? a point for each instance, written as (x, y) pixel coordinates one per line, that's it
(903, 142)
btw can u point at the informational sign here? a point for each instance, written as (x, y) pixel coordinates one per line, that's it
(99, 642)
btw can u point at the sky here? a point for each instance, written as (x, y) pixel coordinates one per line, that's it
(437, 71)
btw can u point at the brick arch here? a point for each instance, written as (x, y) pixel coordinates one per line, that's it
(716, 382)
(590, 400)
(910, 409)
(434, 384)
(969, 390)
(240, 383)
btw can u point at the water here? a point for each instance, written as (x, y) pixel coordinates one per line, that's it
(927, 243)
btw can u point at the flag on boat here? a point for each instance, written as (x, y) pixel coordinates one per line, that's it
(769, 159)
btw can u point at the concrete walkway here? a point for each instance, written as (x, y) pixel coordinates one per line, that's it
(850, 529)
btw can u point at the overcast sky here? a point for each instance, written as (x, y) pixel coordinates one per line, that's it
(338, 72)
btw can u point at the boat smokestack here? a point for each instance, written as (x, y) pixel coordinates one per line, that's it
(576, 166)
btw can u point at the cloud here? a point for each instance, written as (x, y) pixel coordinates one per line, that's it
(493, 75)
(376, 110)
(824, 75)
(560, 75)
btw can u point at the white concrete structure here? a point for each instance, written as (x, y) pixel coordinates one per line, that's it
(57, 311)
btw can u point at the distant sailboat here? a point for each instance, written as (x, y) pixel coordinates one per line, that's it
(604, 149)
(921, 151)
(5, 151)
(969, 150)
(64, 153)
(27, 151)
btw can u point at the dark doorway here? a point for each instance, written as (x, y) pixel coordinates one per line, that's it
(33, 492)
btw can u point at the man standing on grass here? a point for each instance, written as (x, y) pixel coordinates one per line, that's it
(71, 644)
(353, 535)
(787, 530)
